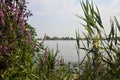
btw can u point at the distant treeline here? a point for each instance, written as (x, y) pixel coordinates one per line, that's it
(59, 38)
(71, 38)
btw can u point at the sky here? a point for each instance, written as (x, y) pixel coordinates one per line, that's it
(57, 17)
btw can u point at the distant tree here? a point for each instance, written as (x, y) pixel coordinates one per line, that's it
(48, 38)
(55, 38)
(72, 38)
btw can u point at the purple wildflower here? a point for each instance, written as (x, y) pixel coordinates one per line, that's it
(3, 2)
(35, 46)
(2, 17)
(4, 9)
(5, 50)
(60, 61)
(21, 20)
(2, 21)
(46, 51)
(1, 13)
(43, 60)
(16, 15)
(0, 33)
(44, 38)
(0, 48)
(29, 37)
(23, 27)
(12, 7)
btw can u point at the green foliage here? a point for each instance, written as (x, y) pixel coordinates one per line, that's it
(102, 56)
(22, 57)
(16, 42)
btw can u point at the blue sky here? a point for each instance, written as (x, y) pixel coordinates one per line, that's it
(57, 17)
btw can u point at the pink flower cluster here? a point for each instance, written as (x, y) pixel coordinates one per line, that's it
(12, 19)
(2, 17)
(61, 61)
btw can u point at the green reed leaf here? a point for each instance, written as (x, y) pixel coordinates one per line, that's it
(98, 18)
(77, 39)
(117, 23)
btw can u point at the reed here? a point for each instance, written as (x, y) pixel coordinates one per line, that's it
(102, 56)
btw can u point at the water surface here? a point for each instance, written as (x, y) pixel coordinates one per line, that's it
(67, 49)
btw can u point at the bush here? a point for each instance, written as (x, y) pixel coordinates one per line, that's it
(16, 41)
(22, 57)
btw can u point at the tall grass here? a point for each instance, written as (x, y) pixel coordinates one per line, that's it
(102, 55)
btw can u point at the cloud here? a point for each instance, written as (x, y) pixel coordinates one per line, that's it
(55, 7)
(71, 7)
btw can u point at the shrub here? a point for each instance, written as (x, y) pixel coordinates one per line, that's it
(22, 56)
(16, 41)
